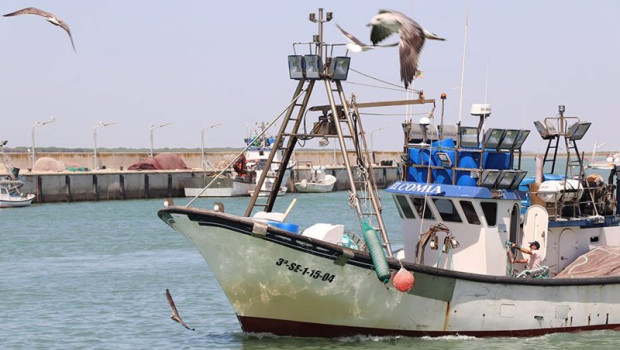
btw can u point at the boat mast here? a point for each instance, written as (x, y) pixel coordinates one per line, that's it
(337, 121)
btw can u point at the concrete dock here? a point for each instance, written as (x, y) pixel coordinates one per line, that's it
(116, 184)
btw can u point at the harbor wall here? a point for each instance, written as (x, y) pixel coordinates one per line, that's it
(218, 160)
(118, 185)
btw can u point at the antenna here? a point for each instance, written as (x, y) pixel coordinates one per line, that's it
(463, 65)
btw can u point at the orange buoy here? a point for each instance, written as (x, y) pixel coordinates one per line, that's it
(403, 280)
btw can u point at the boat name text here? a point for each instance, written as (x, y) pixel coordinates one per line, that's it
(306, 271)
(416, 187)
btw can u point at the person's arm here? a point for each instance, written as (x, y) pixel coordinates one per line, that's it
(523, 250)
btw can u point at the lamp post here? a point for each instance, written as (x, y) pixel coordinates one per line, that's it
(51, 120)
(100, 125)
(202, 138)
(372, 147)
(153, 127)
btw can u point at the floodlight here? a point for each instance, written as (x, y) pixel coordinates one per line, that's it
(578, 130)
(416, 133)
(493, 138)
(489, 178)
(296, 67)
(447, 131)
(323, 141)
(468, 137)
(314, 66)
(509, 140)
(506, 179)
(445, 160)
(521, 137)
(546, 130)
(339, 67)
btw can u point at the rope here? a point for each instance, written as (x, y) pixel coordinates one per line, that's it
(382, 81)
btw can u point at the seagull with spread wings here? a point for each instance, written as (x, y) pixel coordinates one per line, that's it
(175, 313)
(411, 39)
(50, 17)
(356, 45)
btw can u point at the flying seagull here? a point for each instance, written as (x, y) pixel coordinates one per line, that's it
(411, 39)
(175, 313)
(355, 45)
(50, 17)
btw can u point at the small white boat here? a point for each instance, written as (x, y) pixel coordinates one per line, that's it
(11, 197)
(319, 182)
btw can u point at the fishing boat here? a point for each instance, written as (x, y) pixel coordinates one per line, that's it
(319, 181)
(463, 201)
(11, 195)
(248, 167)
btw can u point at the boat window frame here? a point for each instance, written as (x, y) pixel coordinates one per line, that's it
(401, 208)
(418, 206)
(454, 216)
(487, 214)
(476, 215)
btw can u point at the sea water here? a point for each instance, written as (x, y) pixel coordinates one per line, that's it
(93, 275)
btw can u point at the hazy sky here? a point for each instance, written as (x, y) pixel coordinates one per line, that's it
(197, 63)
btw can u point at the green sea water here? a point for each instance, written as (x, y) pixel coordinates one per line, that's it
(93, 275)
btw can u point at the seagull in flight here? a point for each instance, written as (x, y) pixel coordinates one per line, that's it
(175, 313)
(50, 17)
(411, 39)
(356, 45)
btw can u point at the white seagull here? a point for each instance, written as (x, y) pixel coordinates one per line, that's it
(355, 45)
(175, 313)
(50, 17)
(411, 39)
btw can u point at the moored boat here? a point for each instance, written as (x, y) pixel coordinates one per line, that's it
(248, 167)
(463, 201)
(11, 195)
(319, 181)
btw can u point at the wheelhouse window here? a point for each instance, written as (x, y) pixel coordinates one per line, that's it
(423, 210)
(447, 210)
(470, 212)
(405, 208)
(490, 212)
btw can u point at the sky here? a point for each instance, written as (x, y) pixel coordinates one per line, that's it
(198, 63)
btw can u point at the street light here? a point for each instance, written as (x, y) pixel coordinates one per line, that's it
(202, 137)
(153, 127)
(100, 125)
(372, 148)
(52, 119)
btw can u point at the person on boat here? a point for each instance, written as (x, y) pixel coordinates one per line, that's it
(240, 166)
(535, 260)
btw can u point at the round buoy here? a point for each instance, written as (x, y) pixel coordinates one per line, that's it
(403, 280)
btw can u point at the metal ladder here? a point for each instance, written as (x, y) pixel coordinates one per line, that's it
(550, 146)
(289, 127)
(346, 129)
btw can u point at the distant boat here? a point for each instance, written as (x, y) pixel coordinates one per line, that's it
(11, 196)
(248, 168)
(319, 182)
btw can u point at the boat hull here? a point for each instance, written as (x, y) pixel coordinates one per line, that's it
(289, 284)
(222, 187)
(327, 185)
(16, 201)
